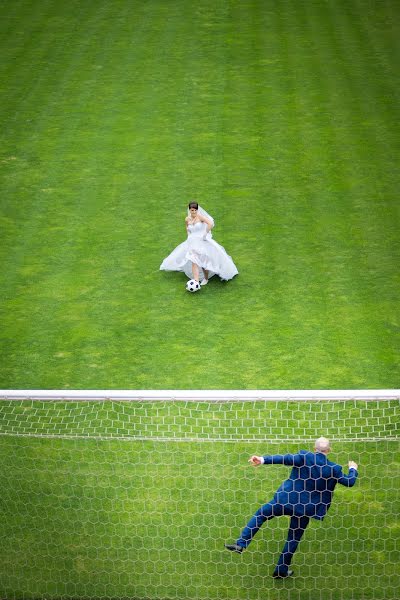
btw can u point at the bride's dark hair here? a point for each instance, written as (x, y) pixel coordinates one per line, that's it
(193, 205)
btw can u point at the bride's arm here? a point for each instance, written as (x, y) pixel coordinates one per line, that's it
(208, 222)
(186, 225)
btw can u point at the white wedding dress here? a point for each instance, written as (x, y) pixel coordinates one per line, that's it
(201, 249)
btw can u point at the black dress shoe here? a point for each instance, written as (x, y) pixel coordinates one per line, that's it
(234, 548)
(278, 575)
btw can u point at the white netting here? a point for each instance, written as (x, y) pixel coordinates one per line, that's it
(124, 498)
(214, 420)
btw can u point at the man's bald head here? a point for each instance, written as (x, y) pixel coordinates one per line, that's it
(322, 445)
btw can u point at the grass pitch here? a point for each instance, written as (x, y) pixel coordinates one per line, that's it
(280, 117)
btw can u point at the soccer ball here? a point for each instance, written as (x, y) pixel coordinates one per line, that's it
(192, 285)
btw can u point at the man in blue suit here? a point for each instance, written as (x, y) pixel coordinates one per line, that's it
(307, 494)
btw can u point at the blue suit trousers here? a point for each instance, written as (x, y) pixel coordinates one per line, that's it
(297, 527)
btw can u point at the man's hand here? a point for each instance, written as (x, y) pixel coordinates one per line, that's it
(255, 461)
(353, 465)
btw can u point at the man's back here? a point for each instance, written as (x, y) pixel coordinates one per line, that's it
(309, 488)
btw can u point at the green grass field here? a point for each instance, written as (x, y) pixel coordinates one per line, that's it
(281, 117)
(146, 519)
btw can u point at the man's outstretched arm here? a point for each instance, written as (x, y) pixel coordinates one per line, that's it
(290, 460)
(350, 479)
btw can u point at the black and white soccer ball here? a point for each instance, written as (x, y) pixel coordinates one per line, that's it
(192, 285)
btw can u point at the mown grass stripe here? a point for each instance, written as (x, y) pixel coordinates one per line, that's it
(252, 109)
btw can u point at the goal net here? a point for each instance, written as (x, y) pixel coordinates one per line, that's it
(124, 495)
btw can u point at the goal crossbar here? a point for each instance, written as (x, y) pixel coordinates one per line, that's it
(201, 395)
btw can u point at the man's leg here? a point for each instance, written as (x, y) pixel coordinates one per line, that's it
(297, 527)
(266, 512)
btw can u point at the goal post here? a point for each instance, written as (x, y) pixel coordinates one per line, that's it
(133, 494)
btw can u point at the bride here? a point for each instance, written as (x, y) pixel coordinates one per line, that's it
(200, 257)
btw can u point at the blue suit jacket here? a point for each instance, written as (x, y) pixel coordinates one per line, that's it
(309, 489)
